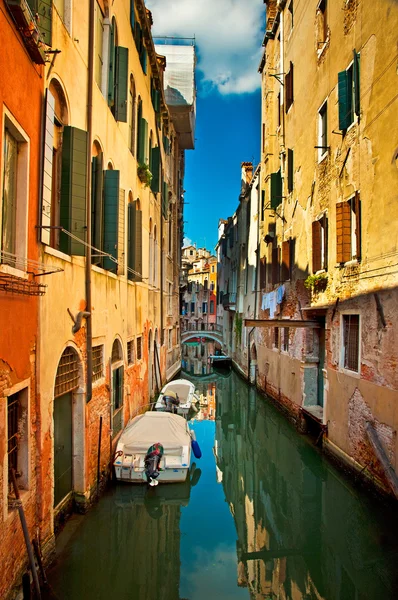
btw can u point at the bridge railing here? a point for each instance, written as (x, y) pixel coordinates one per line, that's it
(210, 327)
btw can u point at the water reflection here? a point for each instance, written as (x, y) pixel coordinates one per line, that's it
(302, 531)
(129, 547)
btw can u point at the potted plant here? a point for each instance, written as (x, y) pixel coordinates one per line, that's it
(144, 174)
(316, 283)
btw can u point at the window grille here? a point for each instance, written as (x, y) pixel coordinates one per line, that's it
(67, 378)
(351, 342)
(130, 352)
(13, 414)
(116, 351)
(276, 337)
(98, 362)
(139, 348)
(286, 339)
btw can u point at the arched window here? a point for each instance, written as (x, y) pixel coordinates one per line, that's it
(117, 387)
(155, 257)
(60, 120)
(132, 116)
(142, 135)
(99, 18)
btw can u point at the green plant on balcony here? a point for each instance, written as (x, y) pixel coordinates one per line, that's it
(144, 174)
(316, 283)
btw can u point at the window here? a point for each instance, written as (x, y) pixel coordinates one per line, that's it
(130, 352)
(98, 45)
(170, 338)
(212, 268)
(140, 44)
(263, 273)
(348, 230)
(14, 198)
(132, 116)
(289, 88)
(290, 17)
(322, 25)
(212, 307)
(286, 263)
(276, 189)
(142, 136)
(320, 244)
(134, 250)
(204, 307)
(139, 348)
(322, 131)
(170, 302)
(275, 265)
(350, 343)
(192, 307)
(98, 362)
(276, 338)
(285, 339)
(290, 170)
(349, 94)
(117, 399)
(117, 76)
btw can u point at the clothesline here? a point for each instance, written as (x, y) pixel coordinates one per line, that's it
(271, 300)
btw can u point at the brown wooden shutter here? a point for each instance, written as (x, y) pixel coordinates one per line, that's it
(285, 260)
(343, 232)
(357, 202)
(316, 246)
(325, 241)
(275, 265)
(263, 272)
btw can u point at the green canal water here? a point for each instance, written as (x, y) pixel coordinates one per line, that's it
(263, 516)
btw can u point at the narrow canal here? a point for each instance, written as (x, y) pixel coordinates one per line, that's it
(262, 516)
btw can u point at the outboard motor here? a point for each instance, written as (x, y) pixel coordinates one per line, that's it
(152, 462)
(171, 401)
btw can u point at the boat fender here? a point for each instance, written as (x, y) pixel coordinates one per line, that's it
(196, 449)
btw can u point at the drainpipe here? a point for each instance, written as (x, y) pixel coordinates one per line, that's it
(89, 330)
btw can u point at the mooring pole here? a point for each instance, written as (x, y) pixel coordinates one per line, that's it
(26, 536)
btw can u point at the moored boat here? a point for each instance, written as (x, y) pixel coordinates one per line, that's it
(176, 396)
(154, 447)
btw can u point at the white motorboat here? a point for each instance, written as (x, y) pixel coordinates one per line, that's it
(141, 434)
(178, 394)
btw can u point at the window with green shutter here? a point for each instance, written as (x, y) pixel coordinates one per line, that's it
(112, 65)
(290, 172)
(111, 218)
(276, 189)
(155, 169)
(134, 250)
(142, 140)
(349, 93)
(97, 208)
(73, 190)
(120, 107)
(132, 16)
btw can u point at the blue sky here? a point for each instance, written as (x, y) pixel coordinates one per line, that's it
(228, 36)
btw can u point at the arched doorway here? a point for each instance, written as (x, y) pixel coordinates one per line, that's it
(253, 363)
(150, 365)
(117, 387)
(66, 383)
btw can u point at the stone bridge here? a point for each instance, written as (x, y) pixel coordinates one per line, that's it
(205, 332)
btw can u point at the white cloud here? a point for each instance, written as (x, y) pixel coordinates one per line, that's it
(228, 36)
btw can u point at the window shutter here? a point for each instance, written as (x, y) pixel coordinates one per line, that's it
(275, 265)
(166, 144)
(155, 169)
(286, 260)
(289, 88)
(316, 246)
(122, 60)
(263, 272)
(134, 255)
(112, 67)
(290, 171)
(132, 16)
(144, 58)
(47, 167)
(111, 217)
(73, 190)
(357, 202)
(343, 232)
(357, 89)
(155, 96)
(344, 104)
(97, 216)
(138, 36)
(44, 10)
(142, 138)
(325, 241)
(276, 189)
(121, 231)
(165, 199)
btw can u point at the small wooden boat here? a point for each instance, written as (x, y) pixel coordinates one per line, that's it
(133, 451)
(177, 396)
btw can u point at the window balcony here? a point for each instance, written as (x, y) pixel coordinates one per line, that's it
(229, 301)
(27, 27)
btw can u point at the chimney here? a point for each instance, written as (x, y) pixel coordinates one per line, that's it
(247, 171)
